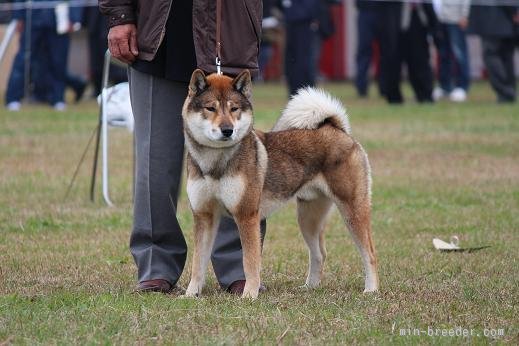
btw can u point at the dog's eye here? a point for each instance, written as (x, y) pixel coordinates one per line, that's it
(211, 109)
(234, 109)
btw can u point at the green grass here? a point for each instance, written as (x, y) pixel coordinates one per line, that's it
(66, 275)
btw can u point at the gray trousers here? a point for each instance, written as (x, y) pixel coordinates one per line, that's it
(157, 243)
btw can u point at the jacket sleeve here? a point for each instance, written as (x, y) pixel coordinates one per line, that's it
(118, 11)
(76, 14)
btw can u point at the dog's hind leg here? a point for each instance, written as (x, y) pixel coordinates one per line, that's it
(206, 224)
(249, 228)
(353, 200)
(358, 221)
(311, 216)
(356, 212)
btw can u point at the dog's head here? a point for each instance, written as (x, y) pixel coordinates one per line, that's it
(217, 112)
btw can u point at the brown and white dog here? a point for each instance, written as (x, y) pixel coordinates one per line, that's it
(236, 170)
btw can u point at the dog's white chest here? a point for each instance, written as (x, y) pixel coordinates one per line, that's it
(227, 190)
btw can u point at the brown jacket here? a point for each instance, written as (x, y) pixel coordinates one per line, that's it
(240, 29)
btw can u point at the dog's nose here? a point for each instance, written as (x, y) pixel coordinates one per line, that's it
(227, 131)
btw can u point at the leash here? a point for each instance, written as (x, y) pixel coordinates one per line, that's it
(218, 60)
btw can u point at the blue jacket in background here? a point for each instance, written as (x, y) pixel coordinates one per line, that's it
(45, 17)
(299, 10)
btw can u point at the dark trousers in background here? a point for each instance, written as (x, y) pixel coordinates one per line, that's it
(389, 25)
(414, 49)
(302, 41)
(454, 65)
(368, 31)
(157, 243)
(42, 39)
(498, 54)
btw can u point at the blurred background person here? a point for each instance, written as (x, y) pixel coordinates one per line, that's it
(325, 30)
(270, 29)
(302, 41)
(389, 27)
(42, 77)
(416, 21)
(43, 36)
(370, 16)
(451, 43)
(498, 27)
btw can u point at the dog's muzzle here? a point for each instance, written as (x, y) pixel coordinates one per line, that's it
(227, 132)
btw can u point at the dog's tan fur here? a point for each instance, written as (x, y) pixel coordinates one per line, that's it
(251, 174)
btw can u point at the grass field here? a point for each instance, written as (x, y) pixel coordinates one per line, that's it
(66, 275)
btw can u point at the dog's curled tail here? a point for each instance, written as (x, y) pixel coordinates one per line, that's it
(309, 108)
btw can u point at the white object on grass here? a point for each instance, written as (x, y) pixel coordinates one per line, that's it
(442, 245)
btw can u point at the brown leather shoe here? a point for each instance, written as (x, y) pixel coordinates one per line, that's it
(156, 285)
(237, 287)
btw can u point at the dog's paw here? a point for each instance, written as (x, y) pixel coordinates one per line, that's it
(250, 294)
(370, 290)
(190, 295)
(310, 285)
(192, 292)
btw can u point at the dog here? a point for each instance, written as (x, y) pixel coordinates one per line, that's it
(236, 170)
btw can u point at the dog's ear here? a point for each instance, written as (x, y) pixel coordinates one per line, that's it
(243, 84)
(198, 82)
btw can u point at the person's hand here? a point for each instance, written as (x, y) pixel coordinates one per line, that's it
(516, 18)
(463, 23)
(73, 27)
(122, 42)
(20, 26)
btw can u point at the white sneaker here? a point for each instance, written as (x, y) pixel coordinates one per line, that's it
(458, 95)
(60, 106)
(438, 93)
(13, 106)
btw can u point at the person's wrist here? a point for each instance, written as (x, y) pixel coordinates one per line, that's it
(121, 18)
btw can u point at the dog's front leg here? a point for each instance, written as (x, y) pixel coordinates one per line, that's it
(206, 224)
(249, 228)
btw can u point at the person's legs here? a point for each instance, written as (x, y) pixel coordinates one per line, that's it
(388, 31)
(157, 243)
(458, 46)
(418, 64)
(298, 56)
(496, 55)
(507, 49)
(16, 84)
(443, 45)
(58, 56)
(77, 83)
(366, 35)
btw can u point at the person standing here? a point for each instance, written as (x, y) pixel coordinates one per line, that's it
(389, 28)
(163, 41)
(302, 41)
(369, 16)
(44, 37)
(498, 27)
(451, 42)
(416, 20)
